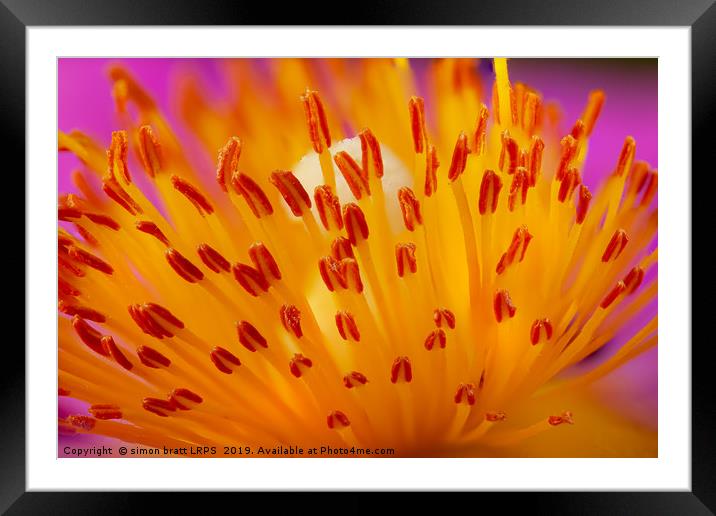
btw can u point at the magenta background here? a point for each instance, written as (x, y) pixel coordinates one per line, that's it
(631, 108)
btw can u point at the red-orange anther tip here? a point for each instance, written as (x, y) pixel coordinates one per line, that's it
(193, 195)
(633, 279)
(531, 112)
(146, 322)
(354, 379)
(371, 154)
(86, 235)
(489, 192)
(228, 162)
(347, 327)
(626, 157)
(117, 156)
(518, 188)
(88, 335)
(495, 417)
(154, 309)
(570, 180)
(213, 258)
(66, 214)
(252, 193)
(441, 315)
(351, 273)
(509, 153)
(337, 420)
(503, 306)
(158, 406)
(105, 411)
(401, 370)
(465, 394)
(150, 151)
(541, 331)
(83, 422)
(103, 220)
(88, 259)
(405, 258)
(479, 136)
(459, 158)
(184, 399)
(416, 109)
(299, 365)
(84, 312)
(651, 181)
(316, 120)
(341, 248)
(435, 337)
(182, 266)
(329, 208)
(356, 178)
(252, 280)
(224, 360)
(250, 337)
(431, 168)
(151, 228)
(69, 266)
(63, 392)
(264, 261)
(150, 357)
(113, 190)
(410, 208)
(613, 294)
(569, 150)
(291, 319)
(615, 246)
(516, 250)
(63, 241)
(566, 417)
(112, 350)
(637, 176)
(331, 273)
(291, 190)
(578, 130)
(585, 197)
(534, 160)
(355, 223)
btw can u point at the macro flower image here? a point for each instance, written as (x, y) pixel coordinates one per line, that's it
(357, 257)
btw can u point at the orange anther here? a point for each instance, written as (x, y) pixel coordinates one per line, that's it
(459, 158)
(316, 120)
(503, 306)
(182, 266)
(410, 208)
(371, 155)
(329, 208)
(416, 108)
(291, 190)
(195, 197)
(401, 370)
(405, 258)
(150, 151)
(355, 177)
(541, 331)
(489, 192)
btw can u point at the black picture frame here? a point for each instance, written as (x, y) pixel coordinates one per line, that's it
(17, 15)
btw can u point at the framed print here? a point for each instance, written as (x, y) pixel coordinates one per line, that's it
(420, 257)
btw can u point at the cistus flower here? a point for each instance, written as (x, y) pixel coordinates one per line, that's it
(361, 267)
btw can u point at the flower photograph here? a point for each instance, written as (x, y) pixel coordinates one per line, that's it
(357, 257)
